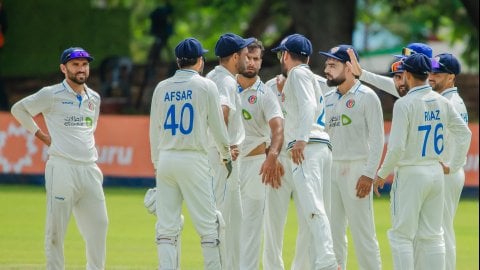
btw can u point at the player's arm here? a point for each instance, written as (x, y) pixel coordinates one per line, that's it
(383, 83)
(25, 109)
(306, 102)
(155, 126)
(375, 141)
(461, 136)
(397, 140)
(215, 123)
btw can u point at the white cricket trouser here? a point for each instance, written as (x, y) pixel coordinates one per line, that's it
(314, 238)
(75, 187)
(348, 209)
(184, 175)
(416, 206)
(453, 190)
(228, 202)
(253, 203)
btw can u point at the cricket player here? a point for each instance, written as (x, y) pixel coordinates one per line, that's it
(355, 124)
(232, 53)
(307, 145)
(445, 68)
(263, 122)
(384, 83)
(278, 200)
(184, 106)
(73, 181)
(421, 120)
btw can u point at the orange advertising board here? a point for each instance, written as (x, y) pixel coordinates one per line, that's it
(124, 148)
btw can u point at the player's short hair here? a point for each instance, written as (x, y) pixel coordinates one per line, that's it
(256, 44)
(299, 57)
(186, 62)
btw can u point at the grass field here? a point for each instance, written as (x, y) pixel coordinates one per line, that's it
(130, 243)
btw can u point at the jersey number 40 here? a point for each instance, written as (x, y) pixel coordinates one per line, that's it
(186, 113)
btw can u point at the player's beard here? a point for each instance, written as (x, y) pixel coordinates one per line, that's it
(250, 73)
(78, 78)
(336, 81)
(241, 66)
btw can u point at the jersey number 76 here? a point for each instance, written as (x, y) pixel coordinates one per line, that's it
(437, 138)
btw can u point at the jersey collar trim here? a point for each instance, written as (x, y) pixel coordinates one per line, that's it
(419, 88)
(449, 90)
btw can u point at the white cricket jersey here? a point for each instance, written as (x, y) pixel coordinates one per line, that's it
(383, 83)
(457, 102)
(227, 88)
(71, 119)
(184, 107)
(355, 125)
(259, 106)
(304, 108)
(420, 120)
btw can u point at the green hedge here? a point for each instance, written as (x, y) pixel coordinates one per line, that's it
(38, 31)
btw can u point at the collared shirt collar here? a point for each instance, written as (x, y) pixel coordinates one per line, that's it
(255, 86)
(449, 90)
(419, 88)
(222, 69)
(352, 90)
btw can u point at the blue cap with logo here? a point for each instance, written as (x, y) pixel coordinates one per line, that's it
(416, 47)
(189, 48)
(445, 63)
(295, 43)
(230, 43)
(74, 53)
(417, 63)
(340, 53)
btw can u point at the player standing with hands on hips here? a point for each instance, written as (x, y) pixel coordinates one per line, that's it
(420, 121)
(445, 68)
(73, 181)
(355, 125)
(308, 145)
(184, 106)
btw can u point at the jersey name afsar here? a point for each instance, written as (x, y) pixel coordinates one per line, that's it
(178, 95)
(432, 115)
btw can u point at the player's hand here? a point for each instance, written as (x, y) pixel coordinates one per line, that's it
(378, 183)
(228, 166)
(272, 171)
(364, 186)
(446, 168)
(234, 152)
(353, 64)
(280, 82)
(297, 152)
(44, 137)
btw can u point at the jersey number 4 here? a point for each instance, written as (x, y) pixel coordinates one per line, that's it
(186, 113)
(437, 138)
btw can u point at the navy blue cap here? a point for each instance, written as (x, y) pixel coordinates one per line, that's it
(295, 43)
(189, 48)
(230, 43)
(74, 53)
(445, 63)
(340, 53)
(416, 47)
(417, 63)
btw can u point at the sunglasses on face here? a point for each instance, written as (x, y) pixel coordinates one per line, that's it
(407, 51)
(279, 55)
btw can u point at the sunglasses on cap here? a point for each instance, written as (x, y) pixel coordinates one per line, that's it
(437, 65)
(396, 67)
(77, 54)
(407, 51)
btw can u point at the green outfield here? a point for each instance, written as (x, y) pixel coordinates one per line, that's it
(131, 233)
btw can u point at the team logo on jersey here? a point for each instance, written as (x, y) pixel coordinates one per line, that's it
(246, 115)
(91, 106)
(350, 103)
(339, 120)
(252, 99)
